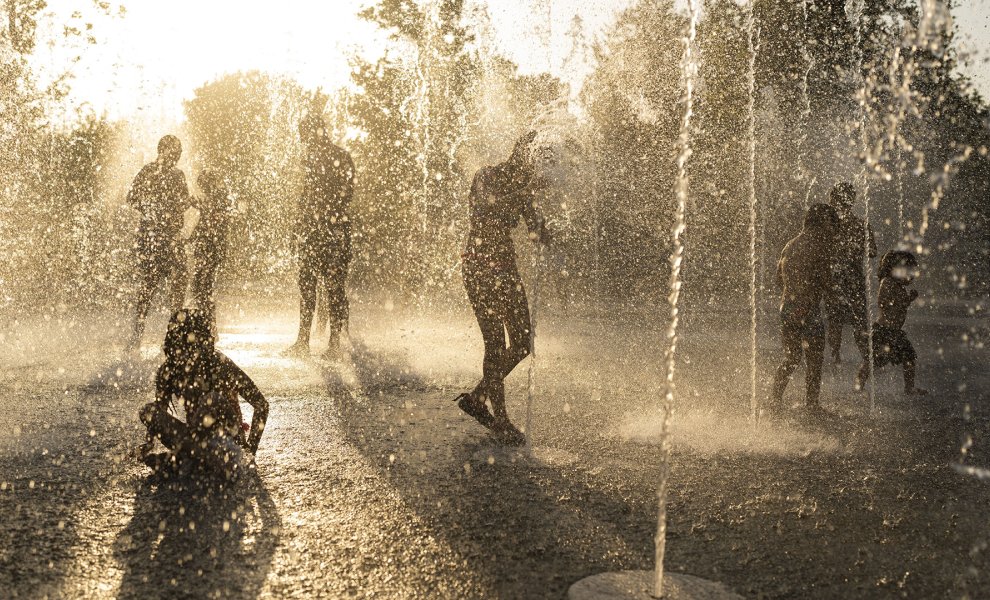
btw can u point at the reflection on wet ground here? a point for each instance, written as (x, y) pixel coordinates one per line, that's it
(371, 482)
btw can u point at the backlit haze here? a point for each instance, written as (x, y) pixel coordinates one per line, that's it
(151, 58)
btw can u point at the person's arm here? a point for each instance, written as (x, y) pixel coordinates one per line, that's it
(134, 193)
(182, 188)
(247, 389)
(535, 222)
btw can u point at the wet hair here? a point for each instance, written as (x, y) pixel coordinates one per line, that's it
(821, 216)
(312, 126)
(169, 143)
(842, 194)
(519, 165)
(189, 367)
(188, 336)
(894, 259)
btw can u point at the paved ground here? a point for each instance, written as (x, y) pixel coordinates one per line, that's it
(371, 483)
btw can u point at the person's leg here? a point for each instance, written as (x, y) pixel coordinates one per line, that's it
(905, 353)
(477, 282)
(835, 339)
(204, 273)
(151, 273)
(518, 324)
(860, 323)
(308, 281)
(323, 301)
(814, 354)
(178, 276)
(791, 340)
(492, 328)
(336, 301)
(209, 292)
(170, 431)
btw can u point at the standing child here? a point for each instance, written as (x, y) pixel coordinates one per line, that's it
(804, 275)
(160, 194)
(500, 197)
(897, 270)
(210, 242)
(207, 385)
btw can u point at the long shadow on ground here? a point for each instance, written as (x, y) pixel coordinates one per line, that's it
(849, 524)
(196, 538)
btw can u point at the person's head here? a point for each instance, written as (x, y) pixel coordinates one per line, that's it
(188, 337)
(312, 128)
(821, 219)
(521, 159)
(169, 150)
(842, 196)
(899, 264)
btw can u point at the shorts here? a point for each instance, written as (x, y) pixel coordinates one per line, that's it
(328, 252)
(891, 346)
(160, 259)
(493, 289)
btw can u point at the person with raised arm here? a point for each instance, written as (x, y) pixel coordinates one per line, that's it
(500, 196)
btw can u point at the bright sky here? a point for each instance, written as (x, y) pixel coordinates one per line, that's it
(159, 52)
(972, 18)
(146, 62)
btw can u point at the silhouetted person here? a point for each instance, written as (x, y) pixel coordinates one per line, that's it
(847, 303)
(323, 232)
(207, 385)
(890, 344)
(500, 195)
(160, 194)
(210, 241)
(804, 276)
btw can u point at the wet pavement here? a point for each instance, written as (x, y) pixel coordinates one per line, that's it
(370, 482)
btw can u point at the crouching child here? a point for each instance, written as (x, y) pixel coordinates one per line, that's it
(207, 385)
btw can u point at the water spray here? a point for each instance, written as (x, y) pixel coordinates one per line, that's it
(531, 372)
(854, 11)
(753, 45)
(689, 70)
(809, 63)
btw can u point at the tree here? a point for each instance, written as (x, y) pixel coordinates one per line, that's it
(244, 126)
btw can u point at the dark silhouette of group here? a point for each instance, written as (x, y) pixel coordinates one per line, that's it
(208, 384)
(825, 265)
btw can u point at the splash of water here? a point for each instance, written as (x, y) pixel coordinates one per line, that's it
(809, 63)
(531, 381)
(753, 44)
(422, 117)
(934, 25)
(854, 12)
(689, 73)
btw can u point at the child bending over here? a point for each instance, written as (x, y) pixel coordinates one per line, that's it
(207, 385)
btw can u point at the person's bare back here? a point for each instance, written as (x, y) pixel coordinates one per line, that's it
(804, 276)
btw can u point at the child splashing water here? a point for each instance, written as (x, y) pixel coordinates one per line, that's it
(207, 385)
(890, 344)
(500, 195)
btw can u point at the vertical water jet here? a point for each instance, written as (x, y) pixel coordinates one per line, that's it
(752, 44)
(809, 63)
(854, 11)
(689, 72)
